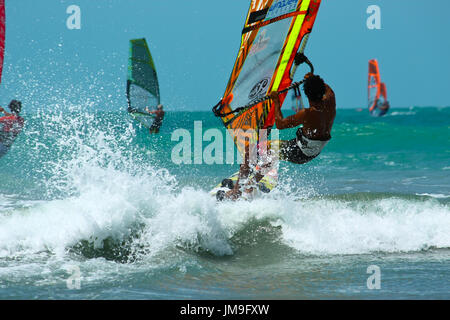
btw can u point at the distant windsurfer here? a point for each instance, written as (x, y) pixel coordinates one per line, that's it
(11, 125)
(380, 109)
(159, 116)
(383, 107)
(310, 139)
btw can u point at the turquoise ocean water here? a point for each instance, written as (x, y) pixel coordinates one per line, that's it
(92, 207)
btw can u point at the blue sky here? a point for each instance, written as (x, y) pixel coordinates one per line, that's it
(194, 44)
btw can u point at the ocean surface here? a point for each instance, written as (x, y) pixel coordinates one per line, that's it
(93, 207)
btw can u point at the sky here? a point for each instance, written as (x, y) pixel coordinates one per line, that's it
(194, 46)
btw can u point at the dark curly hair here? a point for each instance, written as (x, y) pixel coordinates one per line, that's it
(15, 106)
(314, 88)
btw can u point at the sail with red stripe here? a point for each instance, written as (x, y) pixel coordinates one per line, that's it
(377, 93)
(274, 31)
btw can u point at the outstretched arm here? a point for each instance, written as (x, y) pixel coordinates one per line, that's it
(150, 111)
(288, 122)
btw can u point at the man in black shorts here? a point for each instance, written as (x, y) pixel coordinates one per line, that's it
(317, 123)
(159, 116)
(311, 138)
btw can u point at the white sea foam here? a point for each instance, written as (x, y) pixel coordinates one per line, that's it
(5, 202)
(397, 113)
(434, 195)
(388, 225)
(192, 218)
(103, 192)
(108, 194)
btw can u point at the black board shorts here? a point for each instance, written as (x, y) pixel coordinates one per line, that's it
(290, 151)
(154, 129)
(155, 126)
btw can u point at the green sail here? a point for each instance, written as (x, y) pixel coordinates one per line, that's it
(142, 82)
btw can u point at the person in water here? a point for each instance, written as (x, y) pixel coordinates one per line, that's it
(317, 122)
(159, 116)
(11, 125)
(384, 108)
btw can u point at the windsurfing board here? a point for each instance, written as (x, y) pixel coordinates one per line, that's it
(249, 191)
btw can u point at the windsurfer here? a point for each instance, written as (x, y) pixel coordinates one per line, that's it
(317, 123)
(159, 116)
(384, 106)
(11, 126)
(310, 139)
